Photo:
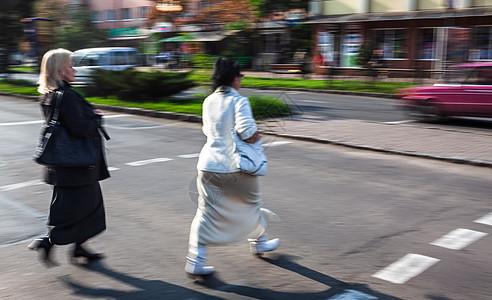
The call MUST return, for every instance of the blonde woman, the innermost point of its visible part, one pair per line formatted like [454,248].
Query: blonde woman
[76,211]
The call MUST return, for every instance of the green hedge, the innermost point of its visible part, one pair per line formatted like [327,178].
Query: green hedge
[132,85]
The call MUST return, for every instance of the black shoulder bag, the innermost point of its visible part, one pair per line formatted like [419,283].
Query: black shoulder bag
[58,148]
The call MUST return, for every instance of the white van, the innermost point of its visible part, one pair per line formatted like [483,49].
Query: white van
[108,58]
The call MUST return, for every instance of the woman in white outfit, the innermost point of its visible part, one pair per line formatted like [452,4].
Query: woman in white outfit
[229,203]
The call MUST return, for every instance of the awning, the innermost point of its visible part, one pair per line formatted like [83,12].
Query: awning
[209,36]
[404,15]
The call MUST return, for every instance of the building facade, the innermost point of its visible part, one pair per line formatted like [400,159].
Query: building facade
[124,20]
[404,34]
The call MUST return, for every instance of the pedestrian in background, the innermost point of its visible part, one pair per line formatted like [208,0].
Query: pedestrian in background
[76,211]
[229,204]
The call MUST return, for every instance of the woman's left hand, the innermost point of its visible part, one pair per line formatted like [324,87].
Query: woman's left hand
[254,138]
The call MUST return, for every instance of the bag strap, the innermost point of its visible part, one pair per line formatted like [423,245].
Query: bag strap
[57,97]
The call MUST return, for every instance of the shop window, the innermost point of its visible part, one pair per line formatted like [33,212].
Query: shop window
[96,16]
[392,42]
[126,14]
[143,11]
[482,44]
[110,15]
[426,43]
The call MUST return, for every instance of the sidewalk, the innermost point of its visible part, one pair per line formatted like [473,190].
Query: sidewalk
[456,146]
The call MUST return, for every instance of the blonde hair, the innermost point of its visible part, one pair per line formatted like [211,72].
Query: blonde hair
[52,65]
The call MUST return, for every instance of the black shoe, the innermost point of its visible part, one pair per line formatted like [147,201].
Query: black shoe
[44,246]
[79,251]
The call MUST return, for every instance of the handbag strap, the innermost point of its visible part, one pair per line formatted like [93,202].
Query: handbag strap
[58,99]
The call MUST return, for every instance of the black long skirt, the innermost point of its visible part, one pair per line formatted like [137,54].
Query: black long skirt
[76,214]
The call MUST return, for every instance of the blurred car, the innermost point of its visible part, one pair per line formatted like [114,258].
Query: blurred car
[162,58]
[466,91]
[109,58]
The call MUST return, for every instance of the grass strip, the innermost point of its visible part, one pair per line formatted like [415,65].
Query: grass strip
[343,85]
[262,106]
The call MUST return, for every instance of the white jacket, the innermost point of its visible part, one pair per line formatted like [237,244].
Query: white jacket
[224,112]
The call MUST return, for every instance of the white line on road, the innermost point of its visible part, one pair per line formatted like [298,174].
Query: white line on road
[148,161]
[20,185]
[487,220]
[115,116]
[312,101]
[399,122]
[273,144]
[22,123]
[189,155]
[406,268]
[459,239]
[42,121]
[113,169]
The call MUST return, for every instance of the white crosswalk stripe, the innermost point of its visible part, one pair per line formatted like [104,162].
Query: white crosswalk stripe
[459,239]
[406,268]
[148,161]
[487,220]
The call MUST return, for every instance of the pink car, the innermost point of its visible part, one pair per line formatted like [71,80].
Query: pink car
[467,91]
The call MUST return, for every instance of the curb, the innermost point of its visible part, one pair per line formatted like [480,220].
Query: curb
[198,119]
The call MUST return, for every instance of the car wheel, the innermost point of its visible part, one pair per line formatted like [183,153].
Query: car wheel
[431,114]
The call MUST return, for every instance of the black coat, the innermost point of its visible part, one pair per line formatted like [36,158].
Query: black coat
[78,117]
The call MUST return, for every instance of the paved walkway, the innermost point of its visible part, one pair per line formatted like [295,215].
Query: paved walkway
[458,146]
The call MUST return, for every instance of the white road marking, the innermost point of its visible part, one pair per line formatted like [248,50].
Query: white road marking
[273,144]
[16,186]
[22,123]
[189,155]
[42,121]
[459,239]
[487,220]
[399,122]
[406,268]
[312,101]
[114,116]
[352,295]
[148,161]
[113,169]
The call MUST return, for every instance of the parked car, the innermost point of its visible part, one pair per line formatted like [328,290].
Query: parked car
[466,91]
[108,58]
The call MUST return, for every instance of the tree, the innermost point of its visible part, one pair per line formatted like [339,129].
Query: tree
[79,32]
[265,7]
[227,11]
[11,14]
[74,27]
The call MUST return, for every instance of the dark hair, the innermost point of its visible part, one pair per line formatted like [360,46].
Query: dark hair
[224,72]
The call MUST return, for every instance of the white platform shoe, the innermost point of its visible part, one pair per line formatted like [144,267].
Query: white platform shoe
[263,244]
[195,262]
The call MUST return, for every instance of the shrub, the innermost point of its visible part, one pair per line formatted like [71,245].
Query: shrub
[132,85]
[203,60]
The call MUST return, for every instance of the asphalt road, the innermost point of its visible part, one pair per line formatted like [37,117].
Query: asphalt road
[345,216]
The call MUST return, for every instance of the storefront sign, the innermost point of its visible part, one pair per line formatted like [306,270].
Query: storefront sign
[124,32]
